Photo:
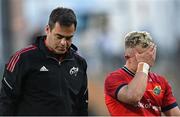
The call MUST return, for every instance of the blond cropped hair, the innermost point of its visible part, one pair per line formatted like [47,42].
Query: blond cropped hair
[135,38]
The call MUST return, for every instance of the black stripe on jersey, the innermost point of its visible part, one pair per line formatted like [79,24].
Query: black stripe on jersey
[117,90]
[169,107]
[128,71]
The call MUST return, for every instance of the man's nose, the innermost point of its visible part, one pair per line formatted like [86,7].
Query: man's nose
[63,41]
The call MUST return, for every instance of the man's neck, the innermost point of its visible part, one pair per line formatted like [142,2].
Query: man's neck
[131,67]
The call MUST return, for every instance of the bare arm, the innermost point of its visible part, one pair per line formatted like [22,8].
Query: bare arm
[173,112]
[134,91]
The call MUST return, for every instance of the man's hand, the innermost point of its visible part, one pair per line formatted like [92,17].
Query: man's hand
[148,56]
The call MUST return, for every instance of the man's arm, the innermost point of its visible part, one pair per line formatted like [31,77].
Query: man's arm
[10,87]
[6,104]
[134,91]
[169,104]
[83,99]
[7,97]
[83,104]
[173,112]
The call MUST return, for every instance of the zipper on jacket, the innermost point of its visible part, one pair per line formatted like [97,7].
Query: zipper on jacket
[59,62]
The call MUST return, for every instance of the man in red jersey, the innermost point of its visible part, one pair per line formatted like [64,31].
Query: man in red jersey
[135,91]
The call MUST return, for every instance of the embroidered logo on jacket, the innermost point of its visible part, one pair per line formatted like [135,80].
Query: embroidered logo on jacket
[43,68]
[74,71]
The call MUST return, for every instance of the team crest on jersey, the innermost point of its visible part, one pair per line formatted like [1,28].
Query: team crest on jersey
[74,71]
[157,90]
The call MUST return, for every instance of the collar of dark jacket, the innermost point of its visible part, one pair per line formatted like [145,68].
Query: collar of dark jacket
[67,56]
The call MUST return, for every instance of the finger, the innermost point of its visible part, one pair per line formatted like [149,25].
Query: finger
[136,53]
[151,47]
[154,53]
[155,49]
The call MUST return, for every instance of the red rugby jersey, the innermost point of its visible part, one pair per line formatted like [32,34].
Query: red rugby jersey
[157,98]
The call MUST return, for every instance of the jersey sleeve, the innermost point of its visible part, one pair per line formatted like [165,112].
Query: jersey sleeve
[169,101]
[113,83]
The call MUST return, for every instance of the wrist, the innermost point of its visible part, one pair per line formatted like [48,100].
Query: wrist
[143,67]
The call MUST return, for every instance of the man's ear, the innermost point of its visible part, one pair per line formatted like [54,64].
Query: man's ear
[47,29]
[126,56]
[128,53]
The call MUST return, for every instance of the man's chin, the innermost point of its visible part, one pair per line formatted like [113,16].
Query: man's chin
[60,52]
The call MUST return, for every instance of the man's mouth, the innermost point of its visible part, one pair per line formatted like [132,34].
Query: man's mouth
[61,49]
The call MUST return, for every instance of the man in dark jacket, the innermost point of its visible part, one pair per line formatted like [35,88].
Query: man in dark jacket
[47,77]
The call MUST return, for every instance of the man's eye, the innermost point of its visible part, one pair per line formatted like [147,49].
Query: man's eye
[68,38]
[59,37]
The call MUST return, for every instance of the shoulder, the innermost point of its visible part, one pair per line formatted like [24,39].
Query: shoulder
[114,75]
[79,58]
[27,53]
[114,81]
[24,51]
[17,56]
[74,51]
[156,76]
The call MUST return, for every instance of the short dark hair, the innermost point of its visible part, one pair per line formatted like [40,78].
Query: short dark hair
[64,16]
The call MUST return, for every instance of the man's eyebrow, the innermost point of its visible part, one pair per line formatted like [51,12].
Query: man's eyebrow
[64,36]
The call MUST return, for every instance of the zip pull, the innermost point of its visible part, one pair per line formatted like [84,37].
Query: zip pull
[59,62]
